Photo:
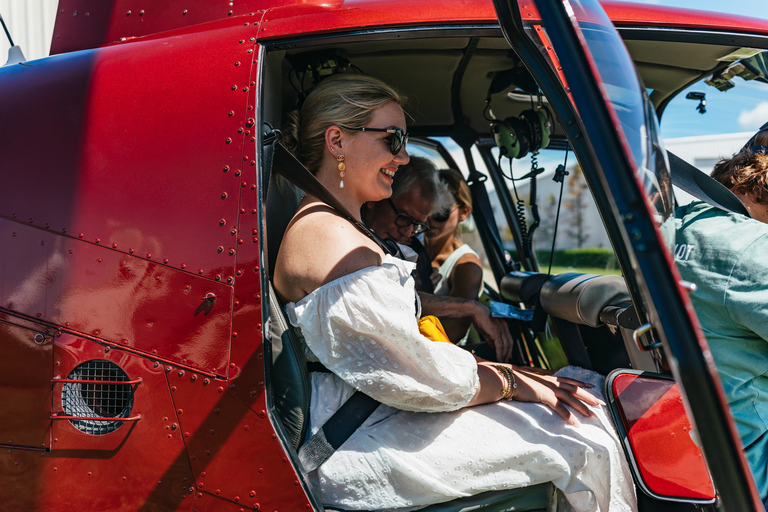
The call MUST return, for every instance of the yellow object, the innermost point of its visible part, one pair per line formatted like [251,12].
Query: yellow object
[431,328]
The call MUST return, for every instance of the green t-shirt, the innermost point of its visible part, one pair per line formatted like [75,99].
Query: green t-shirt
[726,256]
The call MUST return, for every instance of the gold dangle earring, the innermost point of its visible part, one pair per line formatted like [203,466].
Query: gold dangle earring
[341,166]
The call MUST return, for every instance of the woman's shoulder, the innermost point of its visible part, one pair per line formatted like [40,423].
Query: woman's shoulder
[463,254]
[318,247]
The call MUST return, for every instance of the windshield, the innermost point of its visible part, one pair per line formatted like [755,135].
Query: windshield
[632,113]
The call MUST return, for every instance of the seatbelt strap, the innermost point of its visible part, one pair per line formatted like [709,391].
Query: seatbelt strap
[285,163]
[334,432]
[353,413]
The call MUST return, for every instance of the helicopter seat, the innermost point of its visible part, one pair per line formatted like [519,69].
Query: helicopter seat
[291,393]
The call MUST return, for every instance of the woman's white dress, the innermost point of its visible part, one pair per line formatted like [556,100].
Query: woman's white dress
[421,447]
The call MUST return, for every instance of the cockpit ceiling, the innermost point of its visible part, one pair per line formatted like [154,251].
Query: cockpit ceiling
[423,69]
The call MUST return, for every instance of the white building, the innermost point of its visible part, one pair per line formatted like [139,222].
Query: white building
[30,23]
[701,151]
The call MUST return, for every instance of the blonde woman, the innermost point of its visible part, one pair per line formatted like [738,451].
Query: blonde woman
[448,426]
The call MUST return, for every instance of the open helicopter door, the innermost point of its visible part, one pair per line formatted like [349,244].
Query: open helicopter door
[585,71]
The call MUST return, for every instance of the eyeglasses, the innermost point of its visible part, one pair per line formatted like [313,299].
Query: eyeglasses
[405,221]
[443,215]
[397,140]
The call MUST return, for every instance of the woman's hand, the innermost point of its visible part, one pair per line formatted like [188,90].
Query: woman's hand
[538,385]
[435,277]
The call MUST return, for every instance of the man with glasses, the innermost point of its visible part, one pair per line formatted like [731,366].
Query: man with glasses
[417,193]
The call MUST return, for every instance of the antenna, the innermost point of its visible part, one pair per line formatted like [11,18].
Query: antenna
[15,55]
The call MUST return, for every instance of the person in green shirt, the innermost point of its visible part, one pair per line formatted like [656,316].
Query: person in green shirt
[726,255]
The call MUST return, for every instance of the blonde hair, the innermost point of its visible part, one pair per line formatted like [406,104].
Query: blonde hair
[460,190]
[346,100]
[747,171]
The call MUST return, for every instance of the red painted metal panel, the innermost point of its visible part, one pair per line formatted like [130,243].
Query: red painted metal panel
[122,168]
[117,297]
[358,14]
[84,24]
[233,450]
[140,466]
[660,433]
[25,389]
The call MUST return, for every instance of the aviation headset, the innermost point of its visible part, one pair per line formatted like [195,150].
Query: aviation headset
[529,132]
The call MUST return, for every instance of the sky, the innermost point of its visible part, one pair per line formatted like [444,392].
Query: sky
[742,109]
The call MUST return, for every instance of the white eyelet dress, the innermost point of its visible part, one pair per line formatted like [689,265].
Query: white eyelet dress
[422,446]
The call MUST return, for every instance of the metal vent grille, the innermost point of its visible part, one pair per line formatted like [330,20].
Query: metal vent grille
[105,397]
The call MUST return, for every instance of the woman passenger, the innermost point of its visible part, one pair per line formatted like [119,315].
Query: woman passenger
[449,426]
[459,267]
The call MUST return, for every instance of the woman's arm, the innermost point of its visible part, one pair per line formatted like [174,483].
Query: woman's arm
[464,282]
[494,330]
[534,386]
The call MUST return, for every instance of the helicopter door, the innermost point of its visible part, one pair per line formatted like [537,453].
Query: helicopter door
[583,68]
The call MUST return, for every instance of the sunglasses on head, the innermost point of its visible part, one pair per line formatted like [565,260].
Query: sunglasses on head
[443,215]
[397,139]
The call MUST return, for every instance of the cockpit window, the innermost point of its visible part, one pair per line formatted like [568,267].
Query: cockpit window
[626,95]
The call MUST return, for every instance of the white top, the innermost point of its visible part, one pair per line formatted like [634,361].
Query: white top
[446,268]
[422,447]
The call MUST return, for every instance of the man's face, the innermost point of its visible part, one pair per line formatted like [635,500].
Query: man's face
[383,218]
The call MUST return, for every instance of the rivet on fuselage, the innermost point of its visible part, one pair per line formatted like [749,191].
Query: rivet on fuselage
[223,195]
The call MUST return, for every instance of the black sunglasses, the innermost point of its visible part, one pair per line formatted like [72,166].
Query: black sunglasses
[443,215]
[405,221]
[397,139]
